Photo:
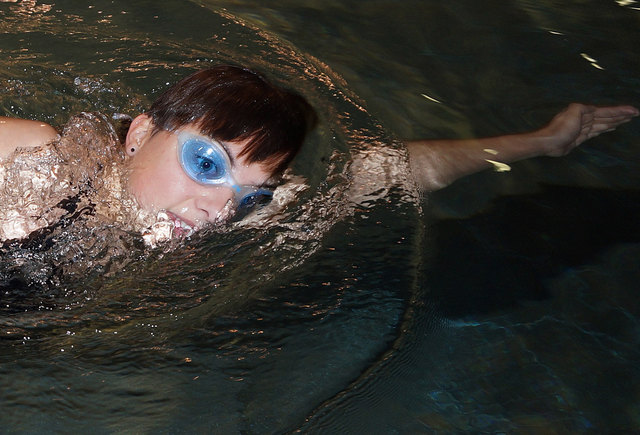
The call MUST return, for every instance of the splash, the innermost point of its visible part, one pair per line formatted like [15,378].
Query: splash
[65,205]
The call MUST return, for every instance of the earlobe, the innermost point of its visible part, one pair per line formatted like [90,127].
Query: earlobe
[132,149]
[138,133]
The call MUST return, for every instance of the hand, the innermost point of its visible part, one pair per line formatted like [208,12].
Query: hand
[580,122]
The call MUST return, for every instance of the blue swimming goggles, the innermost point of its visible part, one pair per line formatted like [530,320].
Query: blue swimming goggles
[206,162]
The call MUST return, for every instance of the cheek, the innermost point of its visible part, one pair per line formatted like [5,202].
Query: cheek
[158,185]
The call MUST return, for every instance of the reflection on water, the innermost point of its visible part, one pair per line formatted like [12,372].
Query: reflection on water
[474,318]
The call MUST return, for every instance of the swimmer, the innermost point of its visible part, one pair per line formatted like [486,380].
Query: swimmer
[218,141]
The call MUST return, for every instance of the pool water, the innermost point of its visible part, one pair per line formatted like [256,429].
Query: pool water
[503,303]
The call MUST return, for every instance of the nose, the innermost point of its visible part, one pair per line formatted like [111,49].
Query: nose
[216,204]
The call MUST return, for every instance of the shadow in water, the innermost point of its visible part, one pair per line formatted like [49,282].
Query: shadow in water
[504,254]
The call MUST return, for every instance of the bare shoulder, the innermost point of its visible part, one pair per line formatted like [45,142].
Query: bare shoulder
[15,133]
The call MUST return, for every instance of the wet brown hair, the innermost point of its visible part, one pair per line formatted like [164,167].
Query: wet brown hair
[230,103]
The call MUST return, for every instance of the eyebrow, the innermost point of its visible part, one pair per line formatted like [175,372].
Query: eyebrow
[271,185]
[226,149]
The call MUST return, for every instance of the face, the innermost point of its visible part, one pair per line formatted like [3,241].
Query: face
[158,181]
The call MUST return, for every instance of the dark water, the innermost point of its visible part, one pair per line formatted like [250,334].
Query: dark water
[509,305]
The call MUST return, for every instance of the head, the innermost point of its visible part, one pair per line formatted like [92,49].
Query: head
[258,125]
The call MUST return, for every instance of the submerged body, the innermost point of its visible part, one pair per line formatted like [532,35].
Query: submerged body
[80,172]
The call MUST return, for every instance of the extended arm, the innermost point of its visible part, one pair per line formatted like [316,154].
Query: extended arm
[16,133]
[438,163]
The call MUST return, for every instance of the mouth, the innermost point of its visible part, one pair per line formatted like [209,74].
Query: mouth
[181,226]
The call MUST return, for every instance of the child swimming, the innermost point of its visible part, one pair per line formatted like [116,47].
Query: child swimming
[214,145]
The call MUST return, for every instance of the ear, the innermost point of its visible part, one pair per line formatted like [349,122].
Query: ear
[139,131]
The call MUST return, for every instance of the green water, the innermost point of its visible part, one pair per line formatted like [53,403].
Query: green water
[508,305]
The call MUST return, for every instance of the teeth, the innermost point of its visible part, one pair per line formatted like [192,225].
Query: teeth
[166,227]
[188,230]
[179,223]
[163,216]
[167,218]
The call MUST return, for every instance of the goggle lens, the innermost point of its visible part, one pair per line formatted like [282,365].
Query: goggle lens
[206,162]
[203,162]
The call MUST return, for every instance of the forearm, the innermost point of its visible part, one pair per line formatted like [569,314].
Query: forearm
[438,163]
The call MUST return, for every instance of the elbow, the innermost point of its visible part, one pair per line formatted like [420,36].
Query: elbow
[22,133]
[425,168]
[43,133]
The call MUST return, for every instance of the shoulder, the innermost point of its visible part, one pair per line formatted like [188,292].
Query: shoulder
[23,133]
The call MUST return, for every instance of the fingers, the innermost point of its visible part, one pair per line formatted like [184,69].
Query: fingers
[607,118]
[602,119]
[610,123]
[604,112]
[613,119]
[597,120]
[613,112]
[580,122]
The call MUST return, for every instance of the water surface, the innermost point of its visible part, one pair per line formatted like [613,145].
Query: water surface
[508,305]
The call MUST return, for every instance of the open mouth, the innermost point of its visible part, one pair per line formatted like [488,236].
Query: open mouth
[181,227]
